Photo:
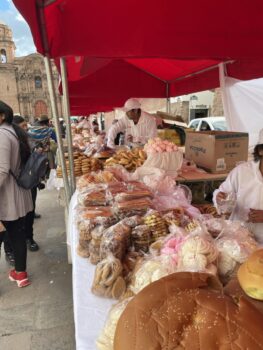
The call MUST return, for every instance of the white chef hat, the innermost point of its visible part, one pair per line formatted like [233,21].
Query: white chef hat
[132,103]
[260,137]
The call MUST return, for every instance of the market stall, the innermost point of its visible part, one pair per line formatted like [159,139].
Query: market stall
[162,232]
[85,303]
[141,233]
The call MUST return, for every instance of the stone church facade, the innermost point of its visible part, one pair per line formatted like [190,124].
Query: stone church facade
[23,80]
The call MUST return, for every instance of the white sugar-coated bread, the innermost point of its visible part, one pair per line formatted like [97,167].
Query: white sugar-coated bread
[106,338]
[250,275]
[188,311]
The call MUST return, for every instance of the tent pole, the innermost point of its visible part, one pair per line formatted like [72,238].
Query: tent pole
[54,108]
[168,101]
[66,111]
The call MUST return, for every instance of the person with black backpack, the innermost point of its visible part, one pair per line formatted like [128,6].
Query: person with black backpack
[15,201]
[31,243]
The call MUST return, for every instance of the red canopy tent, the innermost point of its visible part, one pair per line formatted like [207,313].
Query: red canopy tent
[147,32]
[168,43]
[96,83]
[135,28]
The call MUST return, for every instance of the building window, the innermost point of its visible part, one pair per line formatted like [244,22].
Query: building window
[3,56]
[38,82]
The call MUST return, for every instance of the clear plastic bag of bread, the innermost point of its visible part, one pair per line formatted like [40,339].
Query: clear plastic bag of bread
[198,253]
[132,194]
[149,270]
[114,188]
[90,149]
[130,261]
[171,244]
[115,240]
[133,207]
[83,248]
[96,214]
[133,221]
[119,172]
[93,195]
[235,245]
[106,338]
[226,206]
[160,183]
[85,227]
[88,218]
[179,197]
[104,177]
[94,251]
[215,226]
[108,278]
[106,220]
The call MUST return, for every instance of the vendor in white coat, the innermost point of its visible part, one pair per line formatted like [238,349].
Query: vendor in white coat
[246,181]
[137,126]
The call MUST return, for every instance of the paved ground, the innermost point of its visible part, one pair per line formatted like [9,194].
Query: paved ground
[40,317]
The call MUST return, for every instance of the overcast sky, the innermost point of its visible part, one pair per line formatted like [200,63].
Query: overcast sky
[21,32]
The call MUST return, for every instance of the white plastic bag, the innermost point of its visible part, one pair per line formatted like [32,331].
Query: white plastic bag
[170,162]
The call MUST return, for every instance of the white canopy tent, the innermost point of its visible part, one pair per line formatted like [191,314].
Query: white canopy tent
[243,105]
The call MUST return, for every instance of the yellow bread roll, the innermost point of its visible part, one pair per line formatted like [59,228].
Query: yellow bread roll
[250,275]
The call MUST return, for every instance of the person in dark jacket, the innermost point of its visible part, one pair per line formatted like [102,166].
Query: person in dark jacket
[31,243]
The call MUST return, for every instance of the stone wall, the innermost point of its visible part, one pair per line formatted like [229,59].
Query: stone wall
[8,87]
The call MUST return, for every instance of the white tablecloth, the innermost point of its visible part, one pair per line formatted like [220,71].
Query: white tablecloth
[90,312]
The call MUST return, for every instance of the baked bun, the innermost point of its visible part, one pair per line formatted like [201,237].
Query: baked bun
[188,311]
[234,290]
[250,275]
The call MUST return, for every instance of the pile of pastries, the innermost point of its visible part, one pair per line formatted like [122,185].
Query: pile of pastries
[82,165]
[129,159]
[120,230]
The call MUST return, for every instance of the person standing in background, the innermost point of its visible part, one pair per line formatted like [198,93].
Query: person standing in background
[137,125]
[31,243]
[15,202]
[41,133]
[245,181]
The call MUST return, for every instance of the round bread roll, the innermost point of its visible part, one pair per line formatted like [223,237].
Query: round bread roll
[234,290]
[250,275]
[188,311]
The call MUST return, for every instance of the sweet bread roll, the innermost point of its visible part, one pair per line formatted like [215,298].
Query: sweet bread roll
[250,275]
[234,290]
[188,311]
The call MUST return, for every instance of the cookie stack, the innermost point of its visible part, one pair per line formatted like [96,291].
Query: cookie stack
[77,167]
[142,238]
[157,224]
[59,172]
[94,250]
[82,165]
[90,164]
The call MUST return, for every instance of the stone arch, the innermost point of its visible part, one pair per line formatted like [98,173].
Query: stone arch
[3,56]
[40,108]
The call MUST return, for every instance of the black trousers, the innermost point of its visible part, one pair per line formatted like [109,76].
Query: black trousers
[4,239]
[29,222]
[31,216]
[17,237]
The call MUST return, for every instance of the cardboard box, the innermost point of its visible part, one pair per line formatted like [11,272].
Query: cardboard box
[216,151]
